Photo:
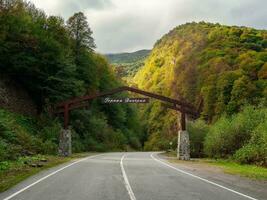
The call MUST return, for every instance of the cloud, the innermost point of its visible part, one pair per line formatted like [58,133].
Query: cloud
[66,8]
[128,25]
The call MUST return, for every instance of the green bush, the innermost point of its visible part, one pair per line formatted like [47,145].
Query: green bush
[156,143]
[49,128]
[134,142]
[256,150]
[49,148]
[77,144]
[197,132]
[241,136]
[217,141]
[117,140]
[23,136]
[3,150]
[4,165]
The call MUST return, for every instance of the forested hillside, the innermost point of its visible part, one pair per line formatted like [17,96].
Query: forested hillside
[127,64]
[226,67]
[55,60]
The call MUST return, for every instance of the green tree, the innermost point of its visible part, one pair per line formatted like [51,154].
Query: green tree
[80,32]
[242,93]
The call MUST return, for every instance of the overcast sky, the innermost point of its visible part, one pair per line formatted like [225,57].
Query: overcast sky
[129,25]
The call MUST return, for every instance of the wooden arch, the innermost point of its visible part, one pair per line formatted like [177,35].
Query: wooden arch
[179,105]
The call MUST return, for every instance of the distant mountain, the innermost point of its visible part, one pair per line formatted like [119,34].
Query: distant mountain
[127,64]
[121,58]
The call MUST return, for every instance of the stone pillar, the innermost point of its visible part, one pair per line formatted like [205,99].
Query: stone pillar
[65,142]
[183,148]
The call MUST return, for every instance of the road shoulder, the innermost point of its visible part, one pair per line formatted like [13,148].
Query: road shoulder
[17,178]
[217,174]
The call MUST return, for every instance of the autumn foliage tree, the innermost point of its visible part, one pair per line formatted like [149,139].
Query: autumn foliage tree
[225,66]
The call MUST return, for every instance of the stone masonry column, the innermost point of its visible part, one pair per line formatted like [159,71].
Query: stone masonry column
[183,148]
[65,142]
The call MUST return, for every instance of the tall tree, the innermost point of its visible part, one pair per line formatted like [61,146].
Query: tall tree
[80,32]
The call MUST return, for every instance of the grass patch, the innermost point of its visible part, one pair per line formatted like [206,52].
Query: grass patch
[13,172]
[228,166]
[170,154]
[249,171]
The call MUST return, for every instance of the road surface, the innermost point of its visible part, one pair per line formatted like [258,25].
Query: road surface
[123,176]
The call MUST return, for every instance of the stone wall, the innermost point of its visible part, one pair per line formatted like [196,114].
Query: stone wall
[14,98]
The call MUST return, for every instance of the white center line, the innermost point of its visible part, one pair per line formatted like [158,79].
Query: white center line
[205,180]
[126,181]
[53,173]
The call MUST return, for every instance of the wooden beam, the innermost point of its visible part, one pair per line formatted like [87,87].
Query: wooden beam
[130,89]
[160,97]
[66,116]
[179,105]
[200,105]
[72,107]
[90,97]
[180,109]
[183,121]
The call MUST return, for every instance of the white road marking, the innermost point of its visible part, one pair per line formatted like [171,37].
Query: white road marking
[53,173]
[128,159]
[126,181]
[205,180]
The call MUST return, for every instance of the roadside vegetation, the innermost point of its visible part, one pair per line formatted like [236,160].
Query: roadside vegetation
[231,167]
[240,138]
[25,136]
[27,146]
[228,166]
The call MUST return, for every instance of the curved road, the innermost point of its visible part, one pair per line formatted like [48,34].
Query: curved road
[122,176]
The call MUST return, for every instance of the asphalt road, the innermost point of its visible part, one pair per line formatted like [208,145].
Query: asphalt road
[122,176]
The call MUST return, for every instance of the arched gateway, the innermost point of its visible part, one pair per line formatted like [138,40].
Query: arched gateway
[185,108]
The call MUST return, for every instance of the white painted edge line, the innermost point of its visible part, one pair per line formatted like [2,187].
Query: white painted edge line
[126,181]
[197,177]
[53,173]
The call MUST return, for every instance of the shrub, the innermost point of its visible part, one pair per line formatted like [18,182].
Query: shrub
[134,142]
[3,150]
[49,147]
[156,142]
[217,141]
[256,150]
[23,136]
[197,132]
[229,134]
[116,140]
[4,165]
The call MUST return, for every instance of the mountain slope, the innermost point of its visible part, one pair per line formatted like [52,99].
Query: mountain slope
[127,64]
[223,65]
[195,58]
